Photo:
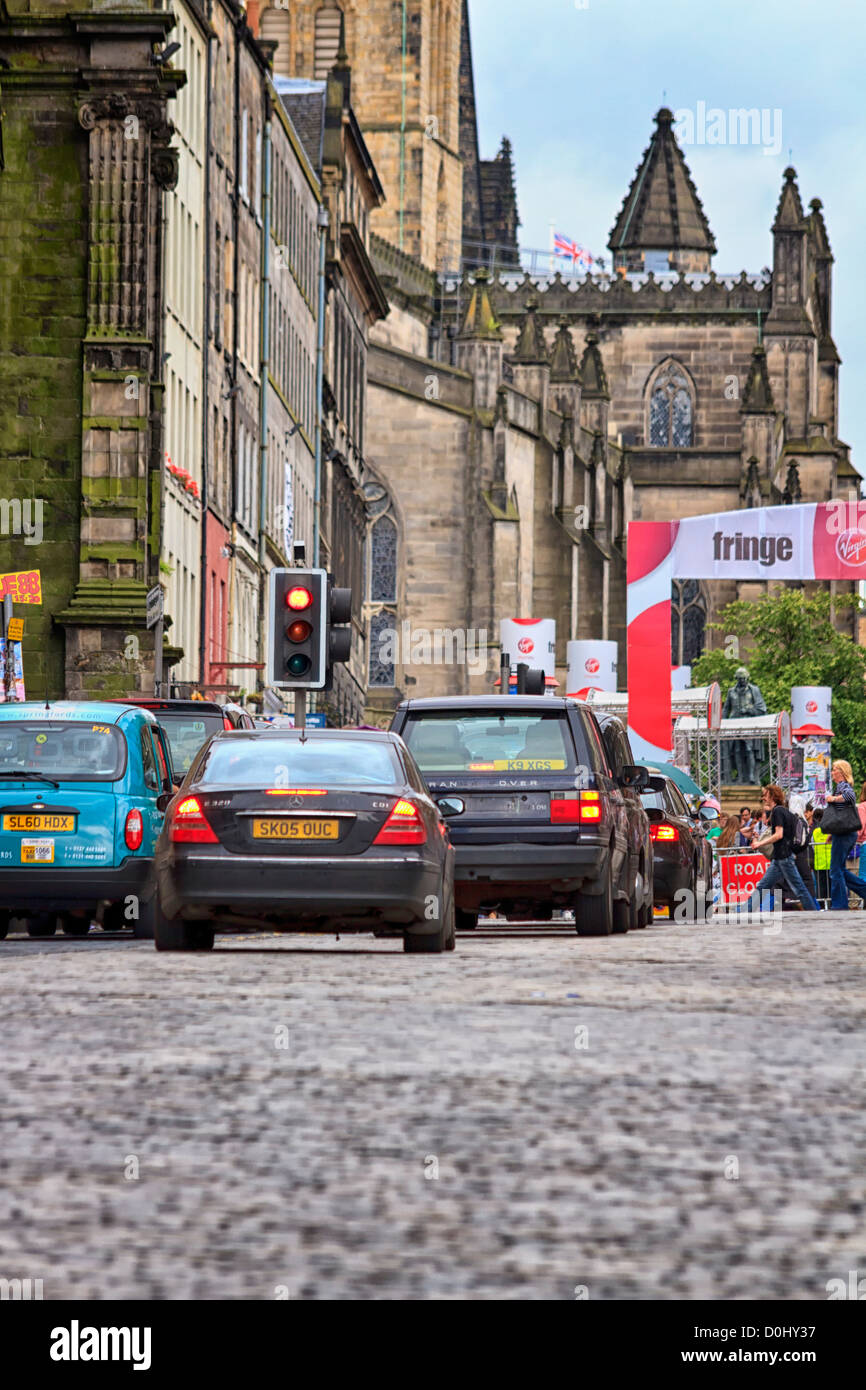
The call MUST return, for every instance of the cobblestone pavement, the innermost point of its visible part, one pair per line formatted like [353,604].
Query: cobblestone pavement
[676,1113]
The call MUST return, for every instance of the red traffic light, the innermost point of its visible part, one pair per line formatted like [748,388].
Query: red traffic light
[298,598]
[299,630]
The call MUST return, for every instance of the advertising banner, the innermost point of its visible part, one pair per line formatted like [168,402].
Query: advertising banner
[530,640]
[810,708]
[11,676]
[591,664]
[23,586]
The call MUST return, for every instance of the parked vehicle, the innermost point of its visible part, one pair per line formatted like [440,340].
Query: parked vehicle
[83,787]
[315,830]
[536,811]
[682,854]
[619,755]
[190,723]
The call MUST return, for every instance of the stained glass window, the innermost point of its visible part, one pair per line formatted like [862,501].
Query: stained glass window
[383,561]
[670,410]
[688,621]
[381,664]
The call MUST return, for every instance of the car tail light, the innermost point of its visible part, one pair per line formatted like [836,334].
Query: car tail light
[664,832]
[404,826]
[227,723]
[190,826]
[295,791]
[575,808]
[133,831]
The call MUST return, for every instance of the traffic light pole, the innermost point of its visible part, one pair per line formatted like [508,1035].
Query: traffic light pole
[300,709]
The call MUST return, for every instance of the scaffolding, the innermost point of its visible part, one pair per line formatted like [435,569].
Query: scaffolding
[698,750]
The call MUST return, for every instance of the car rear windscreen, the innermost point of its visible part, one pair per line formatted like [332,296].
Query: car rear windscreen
[70,751]
[653,801]
[514,741]
[317,762]
[186,733]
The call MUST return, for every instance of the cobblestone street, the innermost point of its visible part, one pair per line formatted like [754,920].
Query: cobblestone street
[673,1114]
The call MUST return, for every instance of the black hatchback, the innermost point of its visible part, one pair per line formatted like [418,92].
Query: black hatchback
[536,811]
[313,830]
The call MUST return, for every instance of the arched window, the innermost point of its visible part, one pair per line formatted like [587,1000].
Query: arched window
[688,621]
[381,662]
[383,561]
[327,39]
[380,584]
[671,409]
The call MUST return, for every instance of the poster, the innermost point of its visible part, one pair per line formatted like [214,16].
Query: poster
[16,672]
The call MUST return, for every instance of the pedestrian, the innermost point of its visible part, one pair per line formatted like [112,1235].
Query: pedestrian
[803,855]
[820,857]
[783,867]
[730,837]
[841,820]
[861,838]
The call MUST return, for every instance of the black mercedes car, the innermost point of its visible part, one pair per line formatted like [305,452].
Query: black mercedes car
[536,810]
[682,855]
[313,830]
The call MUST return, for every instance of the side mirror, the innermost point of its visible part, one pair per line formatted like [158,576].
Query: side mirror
[162,801]
[635,778]
[708,813]
[451,806]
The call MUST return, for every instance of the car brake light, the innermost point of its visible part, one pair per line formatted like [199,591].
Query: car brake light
[227,723]
[133,831]
[190,826]
[664,832]
[295,791]
[575,808]
[404,826]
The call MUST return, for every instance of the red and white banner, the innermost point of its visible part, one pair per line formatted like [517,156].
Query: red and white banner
[819,540]
[530,640]
[740,875]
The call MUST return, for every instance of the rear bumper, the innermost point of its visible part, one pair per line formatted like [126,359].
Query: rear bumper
[35,888]
[521,870]
[358,891]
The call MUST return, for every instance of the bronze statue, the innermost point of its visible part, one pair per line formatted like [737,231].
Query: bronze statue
[744,701]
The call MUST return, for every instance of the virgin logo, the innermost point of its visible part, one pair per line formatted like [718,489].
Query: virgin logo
[592,664]
[812,706]
[526,645]
[851,547]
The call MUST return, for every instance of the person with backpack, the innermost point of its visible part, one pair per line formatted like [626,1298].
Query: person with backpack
[841,821]
[802,849]
[783,867]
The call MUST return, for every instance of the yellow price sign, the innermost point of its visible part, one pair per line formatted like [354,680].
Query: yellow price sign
[15,630]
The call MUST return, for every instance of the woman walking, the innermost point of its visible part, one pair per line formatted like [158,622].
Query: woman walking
[841,820]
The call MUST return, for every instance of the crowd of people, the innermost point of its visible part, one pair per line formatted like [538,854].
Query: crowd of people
[811,861]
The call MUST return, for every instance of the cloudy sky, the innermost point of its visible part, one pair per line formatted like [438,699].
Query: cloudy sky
[575,85]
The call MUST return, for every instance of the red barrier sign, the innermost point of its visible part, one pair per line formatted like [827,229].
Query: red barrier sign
[741,874]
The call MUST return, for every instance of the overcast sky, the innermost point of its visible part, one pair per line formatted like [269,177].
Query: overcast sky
[575,85]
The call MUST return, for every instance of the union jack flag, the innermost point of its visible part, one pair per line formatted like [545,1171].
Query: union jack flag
[564,246]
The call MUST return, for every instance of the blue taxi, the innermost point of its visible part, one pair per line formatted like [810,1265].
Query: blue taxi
[83,790]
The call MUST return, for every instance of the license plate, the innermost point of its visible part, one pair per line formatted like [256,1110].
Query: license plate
[295,828]
[37,851]
[42,821]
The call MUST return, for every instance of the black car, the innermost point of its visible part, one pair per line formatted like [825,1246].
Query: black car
[536,811]
[189,724]
[304,830]
[682,854]
[619,755]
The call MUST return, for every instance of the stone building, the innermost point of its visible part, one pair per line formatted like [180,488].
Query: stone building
[86,159]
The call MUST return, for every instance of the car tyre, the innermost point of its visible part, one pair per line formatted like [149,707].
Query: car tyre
[43,924]
[465,921]
[5,921]
[75,926]
[175,934]
[593,916]
[621,916]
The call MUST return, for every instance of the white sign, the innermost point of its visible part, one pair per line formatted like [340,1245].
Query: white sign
[591,664]
[154,606]
[530,640]
[810,707]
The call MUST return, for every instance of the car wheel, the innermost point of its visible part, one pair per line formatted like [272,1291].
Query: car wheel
[621,916]
[465,921]
[5,919]
[450,925]
[178,935]
[636,916]
[75,926]
[44,924]
[593,916]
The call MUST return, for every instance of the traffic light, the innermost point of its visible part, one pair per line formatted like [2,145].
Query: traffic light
[302,606]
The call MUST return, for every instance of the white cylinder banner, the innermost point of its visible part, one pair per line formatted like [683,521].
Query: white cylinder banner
[810,707]
[591,664]
[530,640]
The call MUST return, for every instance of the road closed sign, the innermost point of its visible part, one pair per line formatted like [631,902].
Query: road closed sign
[740,875]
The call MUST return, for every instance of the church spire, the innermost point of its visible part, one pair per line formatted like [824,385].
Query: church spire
[480,320]
[592,372]
[757,393]
[531,348]
[563,358]
[662,213]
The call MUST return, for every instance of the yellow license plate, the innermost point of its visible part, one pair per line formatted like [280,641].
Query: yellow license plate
[295,828]
[37,851]
[40,822]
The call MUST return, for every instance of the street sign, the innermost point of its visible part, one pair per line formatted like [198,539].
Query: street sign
[740,875]
[154,604]
[15,629]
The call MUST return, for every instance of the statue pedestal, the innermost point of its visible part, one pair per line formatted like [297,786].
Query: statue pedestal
[733,795]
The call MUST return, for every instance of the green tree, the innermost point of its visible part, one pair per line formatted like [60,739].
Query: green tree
[789,639]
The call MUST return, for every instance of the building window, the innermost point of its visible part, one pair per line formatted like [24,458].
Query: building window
[327,39]
[383,561]
[381,666]
[245,155]
[671,409]
[688,621]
